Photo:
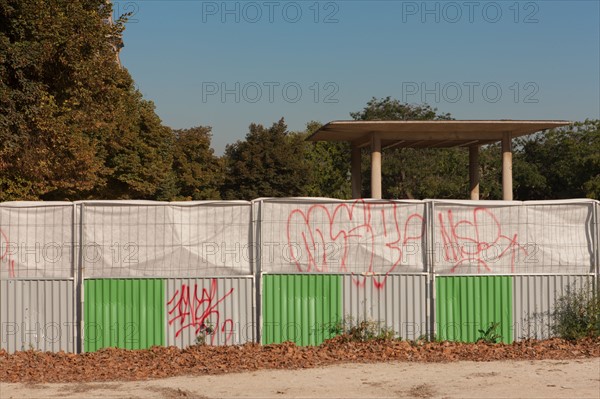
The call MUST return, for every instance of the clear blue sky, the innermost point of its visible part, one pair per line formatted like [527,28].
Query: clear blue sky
[228,64]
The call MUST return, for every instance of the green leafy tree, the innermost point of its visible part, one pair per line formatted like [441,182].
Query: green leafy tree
[490,171]
[329,166]
[563,163]
[270,162]
[199,173]
[139,155]
[43,89]
[389,109]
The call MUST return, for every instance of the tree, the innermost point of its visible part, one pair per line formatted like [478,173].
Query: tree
[72,125]
[563,163]
[490,171]
[138,155]
[270,162]
[199,172]
[388,109]
[329,166]
[42,149]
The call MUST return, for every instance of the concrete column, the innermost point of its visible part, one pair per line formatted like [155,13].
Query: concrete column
[474,171]
[356,172]
[375,166]
[507,183]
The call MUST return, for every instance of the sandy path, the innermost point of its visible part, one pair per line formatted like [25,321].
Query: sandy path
[506,379]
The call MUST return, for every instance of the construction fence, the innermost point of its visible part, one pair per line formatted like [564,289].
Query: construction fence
[132,274]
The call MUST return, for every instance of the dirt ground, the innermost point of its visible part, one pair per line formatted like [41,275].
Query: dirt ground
[576,378]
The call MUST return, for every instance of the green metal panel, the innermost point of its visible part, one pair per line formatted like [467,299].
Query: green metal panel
[465,305]
[300,307]
[124,313]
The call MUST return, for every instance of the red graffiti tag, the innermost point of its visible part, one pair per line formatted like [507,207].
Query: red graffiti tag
[192,310]
[313,230]
[4,254]
[466,241]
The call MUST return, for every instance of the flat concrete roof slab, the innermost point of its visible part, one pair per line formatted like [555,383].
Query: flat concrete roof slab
[430,134]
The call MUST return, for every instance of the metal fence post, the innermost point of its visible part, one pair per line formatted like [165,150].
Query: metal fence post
[256,211]
[596,235]
[79,283]
[75,276]
[431,256]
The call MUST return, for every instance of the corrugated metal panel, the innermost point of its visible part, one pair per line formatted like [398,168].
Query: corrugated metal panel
[534,299]
[37,314]
[300,307]
[400,304]
[225,305]
[124,313]
[465,305]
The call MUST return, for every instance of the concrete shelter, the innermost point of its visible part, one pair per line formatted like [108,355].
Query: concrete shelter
[380,135]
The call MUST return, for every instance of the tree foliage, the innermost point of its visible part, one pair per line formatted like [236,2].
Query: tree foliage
[72,124]
[329,164]
[389,109]
[563,163]
[199,173]
[270,162]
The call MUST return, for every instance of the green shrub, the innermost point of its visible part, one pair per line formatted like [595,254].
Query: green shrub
[490,334]
[577,313]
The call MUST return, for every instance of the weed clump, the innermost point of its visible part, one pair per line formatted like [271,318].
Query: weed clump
[490,335]
[362,331]
[206,329]
[576,314]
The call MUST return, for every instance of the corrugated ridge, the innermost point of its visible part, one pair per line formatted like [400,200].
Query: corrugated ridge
[230,314]
[464,305]
[300,308]
[400,304]
[37,314]
[535,298]
[124,313]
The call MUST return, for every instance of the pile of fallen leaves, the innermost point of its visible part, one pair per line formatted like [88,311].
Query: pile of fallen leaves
[158,362]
